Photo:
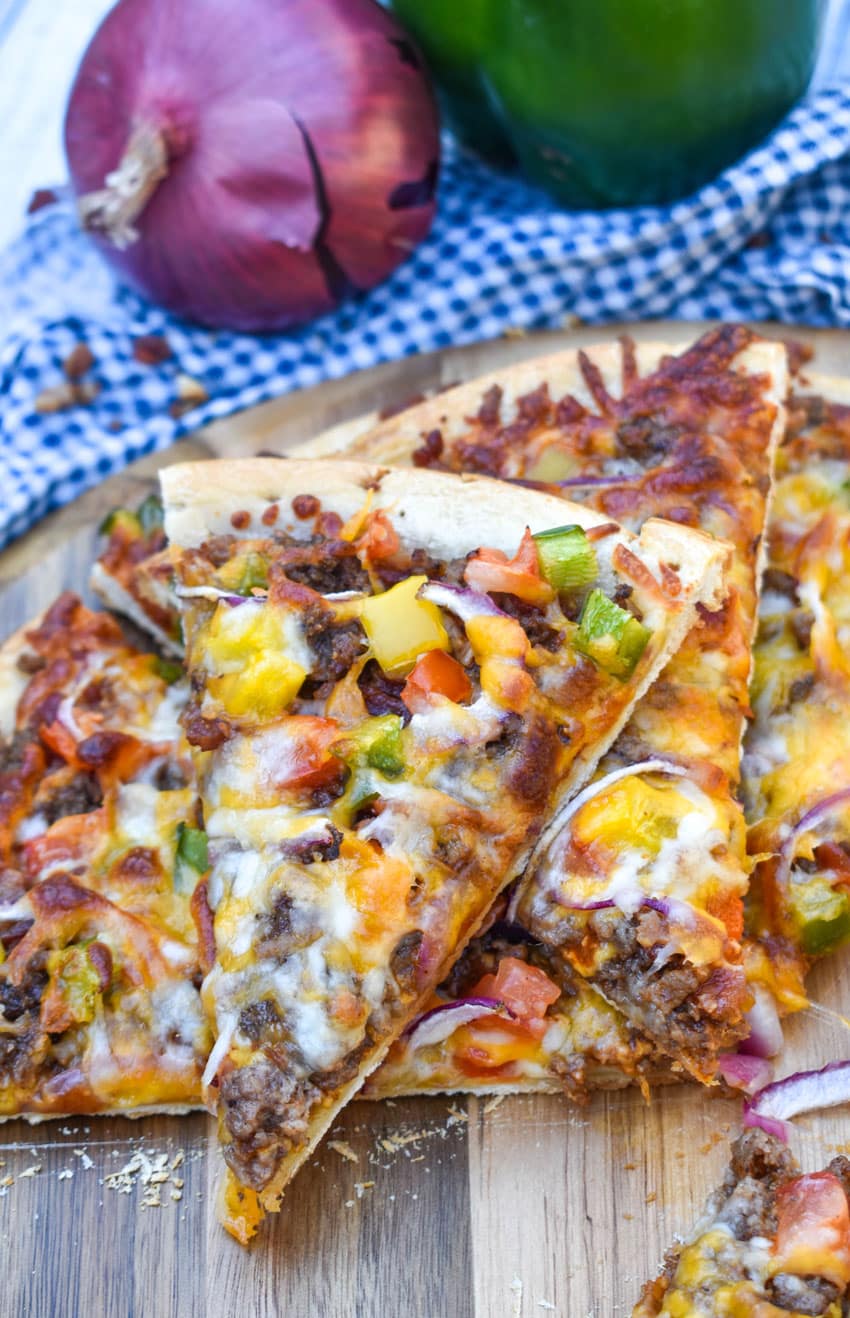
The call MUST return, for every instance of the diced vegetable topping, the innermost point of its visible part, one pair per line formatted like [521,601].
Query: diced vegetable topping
[120,519]
[168,669]
[566,556]
[436,674]
[150,513]
[247,646]
[73,991]
[377,743]
[192,847]
[254,574]
[490,570]
[821,913]
[401,627]
[610,636]
[525,990]
[813,1233]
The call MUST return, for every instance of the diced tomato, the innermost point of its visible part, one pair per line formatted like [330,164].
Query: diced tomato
[308,761]
[435,674]
[813,1236]
[831,856]
[728,907]
[491,570]
[379,540]
[525,990]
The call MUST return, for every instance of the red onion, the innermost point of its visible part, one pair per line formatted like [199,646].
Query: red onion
[805,825]
[765,1036]
[250,165]
[804,1091]
[460,600]
[437,1024]
[743,1072]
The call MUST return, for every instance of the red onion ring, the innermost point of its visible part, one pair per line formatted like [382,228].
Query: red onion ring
[440,1022]
[804,825]
[765,1037]
[803,1091]
[742,1071]
[460,600]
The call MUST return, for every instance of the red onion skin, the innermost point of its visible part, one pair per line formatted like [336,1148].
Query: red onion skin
[302,142]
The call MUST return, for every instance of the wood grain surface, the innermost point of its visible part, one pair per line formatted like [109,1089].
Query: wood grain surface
[451,1208]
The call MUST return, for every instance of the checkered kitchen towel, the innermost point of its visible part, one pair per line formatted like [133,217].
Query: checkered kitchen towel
[769,239]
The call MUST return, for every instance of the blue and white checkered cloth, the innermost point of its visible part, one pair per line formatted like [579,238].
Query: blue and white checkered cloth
[769,239]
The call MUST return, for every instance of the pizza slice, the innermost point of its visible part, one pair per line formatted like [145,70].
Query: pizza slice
[797,757]
[104,928]
[641,891]
[134,575]
[391,695]
[773,1243]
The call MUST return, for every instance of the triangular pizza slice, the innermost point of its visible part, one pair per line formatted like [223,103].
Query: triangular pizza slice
[641,890]
[392,694]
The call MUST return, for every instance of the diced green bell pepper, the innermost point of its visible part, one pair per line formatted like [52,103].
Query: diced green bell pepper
[254,574]
[168,669]
[820,912]
[617,102]
[610,636]
[149,513]
[378,743]
[192,847]
[567,558]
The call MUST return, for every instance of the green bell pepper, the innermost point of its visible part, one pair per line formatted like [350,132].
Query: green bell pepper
[820,912]
[567,558]
[610,636]
[617,102]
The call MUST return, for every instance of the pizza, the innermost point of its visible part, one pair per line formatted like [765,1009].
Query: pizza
[104,928]
[133,575]
[797,758]
[641,891]
[397,679]
[773,1243]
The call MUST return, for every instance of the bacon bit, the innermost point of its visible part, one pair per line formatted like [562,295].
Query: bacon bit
[139,865]
[40,198]
[79,360]
[240,520]
[270,515]
[202,915]
[305,506]
[151,349]
[430,451]
[207,733]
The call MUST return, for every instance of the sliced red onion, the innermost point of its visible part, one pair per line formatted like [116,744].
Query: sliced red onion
[577,482]
[744,1072]
[803,1091]
[804,825]
[765,1036]
[437,1024]
[251,165]
[460,600]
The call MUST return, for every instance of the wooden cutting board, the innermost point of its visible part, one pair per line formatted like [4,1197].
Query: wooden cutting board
[426,1208]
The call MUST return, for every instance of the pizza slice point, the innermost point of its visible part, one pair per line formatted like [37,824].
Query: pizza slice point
[640,890]
[773,1243]
[393,691]
[796,768]
[103,921]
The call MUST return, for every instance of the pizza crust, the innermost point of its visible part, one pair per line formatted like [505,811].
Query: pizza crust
[119,600]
